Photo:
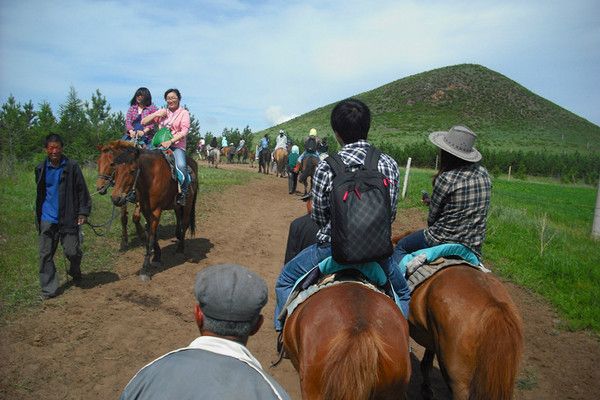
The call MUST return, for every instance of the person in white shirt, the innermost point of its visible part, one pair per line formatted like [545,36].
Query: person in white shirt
[216,365]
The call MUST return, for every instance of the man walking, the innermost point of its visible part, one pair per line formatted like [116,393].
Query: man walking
[63,204]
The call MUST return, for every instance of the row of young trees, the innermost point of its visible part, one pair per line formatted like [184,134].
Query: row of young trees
[82,124]
[568,167]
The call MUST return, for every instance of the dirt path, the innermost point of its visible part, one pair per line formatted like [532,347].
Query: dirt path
[90,341]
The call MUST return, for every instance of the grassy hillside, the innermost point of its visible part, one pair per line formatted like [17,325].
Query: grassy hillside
[505,115]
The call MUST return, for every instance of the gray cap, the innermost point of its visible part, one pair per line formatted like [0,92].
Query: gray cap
[229,292]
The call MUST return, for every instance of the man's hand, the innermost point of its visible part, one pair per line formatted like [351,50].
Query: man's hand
[81,219]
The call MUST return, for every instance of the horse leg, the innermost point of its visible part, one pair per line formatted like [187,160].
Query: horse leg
[124,235]
[136,218]
[426,366]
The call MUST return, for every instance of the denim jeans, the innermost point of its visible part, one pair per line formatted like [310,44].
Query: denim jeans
[312,256]
[181,165]
[304,261]
[413,242]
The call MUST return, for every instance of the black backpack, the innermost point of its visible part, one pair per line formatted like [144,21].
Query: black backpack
[361,214]
[311,144]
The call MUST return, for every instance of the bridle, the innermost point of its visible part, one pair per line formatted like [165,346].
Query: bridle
[131,195]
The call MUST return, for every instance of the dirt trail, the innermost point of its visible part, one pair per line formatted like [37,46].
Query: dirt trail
[90,341]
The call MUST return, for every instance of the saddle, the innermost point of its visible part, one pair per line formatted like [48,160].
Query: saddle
[329,273]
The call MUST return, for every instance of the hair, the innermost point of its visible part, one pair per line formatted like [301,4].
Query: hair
[351,120]
[448,162]
[143,92]
[176,91]
[230,328]
[53,137]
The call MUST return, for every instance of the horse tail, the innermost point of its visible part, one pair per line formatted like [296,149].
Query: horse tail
[498,354]
[354,356]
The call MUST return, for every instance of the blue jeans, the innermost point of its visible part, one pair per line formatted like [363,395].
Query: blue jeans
[181,165]
[413,242]
[313,255]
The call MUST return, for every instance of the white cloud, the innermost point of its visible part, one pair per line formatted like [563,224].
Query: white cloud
[276,116]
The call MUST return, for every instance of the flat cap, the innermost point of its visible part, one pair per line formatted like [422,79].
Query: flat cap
[230,292]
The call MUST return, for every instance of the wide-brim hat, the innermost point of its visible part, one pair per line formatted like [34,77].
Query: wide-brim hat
[457,141]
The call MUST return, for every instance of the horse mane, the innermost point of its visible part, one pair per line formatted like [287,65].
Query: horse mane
[120,144]
[498,354]
[353,357]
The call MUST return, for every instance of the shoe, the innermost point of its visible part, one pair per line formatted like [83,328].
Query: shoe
[47,296]
[77,279]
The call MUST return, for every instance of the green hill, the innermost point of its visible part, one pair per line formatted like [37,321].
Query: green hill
[505,115]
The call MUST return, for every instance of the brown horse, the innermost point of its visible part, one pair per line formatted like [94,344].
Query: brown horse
[146,175]
[242,154]
[348,341]
[309,165]
[280,156]
[105,180]
[467,319]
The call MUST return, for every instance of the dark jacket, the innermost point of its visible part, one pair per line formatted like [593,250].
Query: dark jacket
[303,233]
[73,195]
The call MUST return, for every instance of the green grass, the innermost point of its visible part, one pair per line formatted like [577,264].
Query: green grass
[19,286]
[567,272]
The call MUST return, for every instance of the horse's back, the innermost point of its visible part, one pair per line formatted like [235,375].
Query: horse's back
[344,325]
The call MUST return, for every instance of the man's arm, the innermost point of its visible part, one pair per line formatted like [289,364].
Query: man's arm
[83,195]
[322,180]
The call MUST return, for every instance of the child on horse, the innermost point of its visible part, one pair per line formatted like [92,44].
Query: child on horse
[311,144]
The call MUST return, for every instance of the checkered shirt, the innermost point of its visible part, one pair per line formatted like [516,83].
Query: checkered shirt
[352,154]
[459,207]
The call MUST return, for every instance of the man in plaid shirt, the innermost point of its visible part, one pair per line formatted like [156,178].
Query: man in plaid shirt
[350,121]
[460,201]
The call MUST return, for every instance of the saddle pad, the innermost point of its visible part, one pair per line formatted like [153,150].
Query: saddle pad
[305,294]
[418,271]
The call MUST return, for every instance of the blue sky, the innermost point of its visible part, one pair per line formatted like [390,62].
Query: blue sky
[258,63]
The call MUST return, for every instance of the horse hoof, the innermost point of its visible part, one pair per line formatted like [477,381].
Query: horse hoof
[155,263]
[144,277]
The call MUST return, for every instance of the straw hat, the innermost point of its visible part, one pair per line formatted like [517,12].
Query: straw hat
[457,141]
[313,132]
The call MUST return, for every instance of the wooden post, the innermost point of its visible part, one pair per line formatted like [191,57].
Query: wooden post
[405,185]
[596,224]
[509,170]
[436,162]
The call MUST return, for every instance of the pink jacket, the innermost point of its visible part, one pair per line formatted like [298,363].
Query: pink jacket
[179,123]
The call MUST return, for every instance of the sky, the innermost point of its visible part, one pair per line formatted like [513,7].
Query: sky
[260,63]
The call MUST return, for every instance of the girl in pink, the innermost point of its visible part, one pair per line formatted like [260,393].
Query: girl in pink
[177,119]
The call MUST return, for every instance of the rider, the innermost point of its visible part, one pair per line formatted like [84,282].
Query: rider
[322,147]
[350,120]
[311,144]
[281,140]
[213,143]
[292,173]
[264,144]
[460,201]
[141,106]
[223,141]
[240,145]
[177,119]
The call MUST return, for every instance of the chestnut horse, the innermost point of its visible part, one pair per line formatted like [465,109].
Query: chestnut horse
[147,176]
[105,180]
[281,159]
[468,320]
[348,341]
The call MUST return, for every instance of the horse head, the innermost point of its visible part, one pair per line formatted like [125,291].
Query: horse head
[126,171]
[105,164]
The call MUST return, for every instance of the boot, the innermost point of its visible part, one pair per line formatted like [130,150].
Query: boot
[180,200]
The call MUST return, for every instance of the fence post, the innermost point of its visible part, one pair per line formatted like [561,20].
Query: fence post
[405,185]
[509,171]
[596,224]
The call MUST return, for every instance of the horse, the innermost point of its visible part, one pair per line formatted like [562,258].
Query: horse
[242,154]
[468,320]
[105,180]
[264,159]
[348,341]
[309,164]
[214,157]
[281,159]
[147,176]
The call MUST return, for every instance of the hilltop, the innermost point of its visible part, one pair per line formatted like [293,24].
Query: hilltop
[505,115]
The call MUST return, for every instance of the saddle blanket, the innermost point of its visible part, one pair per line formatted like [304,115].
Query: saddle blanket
[418,266]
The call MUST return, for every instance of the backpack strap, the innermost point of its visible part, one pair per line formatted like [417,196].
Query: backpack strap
[372,158]
[336,163]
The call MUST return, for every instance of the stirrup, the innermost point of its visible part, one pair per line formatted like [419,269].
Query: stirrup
[280,350]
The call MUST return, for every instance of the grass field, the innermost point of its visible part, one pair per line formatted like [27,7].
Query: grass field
[19,286]
[565,272]
[561,261]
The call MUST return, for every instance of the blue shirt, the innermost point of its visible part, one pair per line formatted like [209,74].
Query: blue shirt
[50,205]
